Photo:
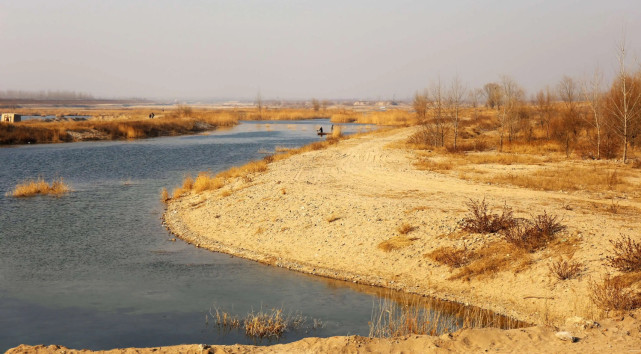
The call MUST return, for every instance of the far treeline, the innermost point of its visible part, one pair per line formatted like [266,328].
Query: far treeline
[582,116]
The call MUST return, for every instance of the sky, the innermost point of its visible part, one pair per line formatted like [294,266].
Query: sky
[288,49]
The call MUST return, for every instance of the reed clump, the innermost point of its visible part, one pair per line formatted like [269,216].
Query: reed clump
[272,323]
[411,315]
[39,186]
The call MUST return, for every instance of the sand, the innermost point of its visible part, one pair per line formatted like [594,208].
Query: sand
[325,213]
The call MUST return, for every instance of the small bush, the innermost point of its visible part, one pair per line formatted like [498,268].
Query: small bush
[614,294]
[535,234]
[564,270]
[450,256]
[547,225]
[481,220]
[627,255]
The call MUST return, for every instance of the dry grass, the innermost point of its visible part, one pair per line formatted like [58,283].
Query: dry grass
[626,255]
[337,132]
[565,269]
[493,258]
[396,243]
[596,179]
[333,217]
[164,195]
[39,186]
[262,324]
[613,294]
[451,256]
[533,235]
[405,229]
[434,165]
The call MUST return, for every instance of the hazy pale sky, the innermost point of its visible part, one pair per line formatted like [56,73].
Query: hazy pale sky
[303,49]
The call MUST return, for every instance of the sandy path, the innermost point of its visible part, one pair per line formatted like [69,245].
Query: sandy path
[282,218]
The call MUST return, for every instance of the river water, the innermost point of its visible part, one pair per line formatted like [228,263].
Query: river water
[96,269]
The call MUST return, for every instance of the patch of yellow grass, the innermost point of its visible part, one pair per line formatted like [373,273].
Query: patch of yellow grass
[396,242]
[568,178]
[32,188]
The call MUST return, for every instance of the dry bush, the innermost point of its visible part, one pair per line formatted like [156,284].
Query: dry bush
[405,229]
[39,186]
[565,269]
[450,256]
[547,225]
[613,294]
[535,234]
[493,258]
[627,255]
[396,242]
[480,220]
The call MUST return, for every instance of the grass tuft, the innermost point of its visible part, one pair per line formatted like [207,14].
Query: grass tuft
[396,242]
[450,256]
[39,186]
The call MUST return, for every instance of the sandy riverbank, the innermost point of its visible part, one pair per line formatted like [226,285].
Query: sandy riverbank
[325,213]
[611,336]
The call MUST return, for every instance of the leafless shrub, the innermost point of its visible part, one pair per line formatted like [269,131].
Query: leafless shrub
[481,220]
[614,294]
[547,225]
[627,255]
[564,269]
[535,234]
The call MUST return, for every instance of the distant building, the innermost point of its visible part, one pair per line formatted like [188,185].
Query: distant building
[10,117]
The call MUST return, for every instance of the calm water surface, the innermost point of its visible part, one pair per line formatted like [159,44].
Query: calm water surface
[96,269]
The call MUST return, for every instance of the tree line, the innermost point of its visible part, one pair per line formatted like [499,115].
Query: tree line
[604,121]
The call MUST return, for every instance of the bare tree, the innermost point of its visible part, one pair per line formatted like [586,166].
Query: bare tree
[439,120]
[455,97]
[493,95]
[475,97]
[624,101]
[315,105]
[511,98]
[259,104]
[567,129]
[421,104]
[592,91]
[545,108]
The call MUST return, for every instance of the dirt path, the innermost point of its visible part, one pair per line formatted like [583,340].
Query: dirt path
[325,212]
